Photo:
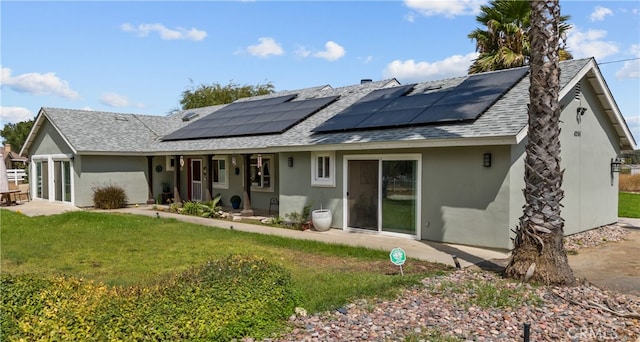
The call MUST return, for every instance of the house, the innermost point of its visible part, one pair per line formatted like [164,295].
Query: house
[439,160]
[12,159]
[14,163]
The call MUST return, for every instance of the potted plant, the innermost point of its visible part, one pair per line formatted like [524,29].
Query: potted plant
[235,201]
[166,188]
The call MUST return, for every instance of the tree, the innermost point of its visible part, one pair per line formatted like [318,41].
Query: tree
[214,94]
[505,43]
[16,134]
[539,253]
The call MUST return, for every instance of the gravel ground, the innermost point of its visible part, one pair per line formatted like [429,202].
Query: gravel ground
[440,309]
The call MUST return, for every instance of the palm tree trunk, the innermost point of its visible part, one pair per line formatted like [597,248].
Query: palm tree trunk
[539,253]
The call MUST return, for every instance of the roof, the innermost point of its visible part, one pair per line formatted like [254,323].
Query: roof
[505,122]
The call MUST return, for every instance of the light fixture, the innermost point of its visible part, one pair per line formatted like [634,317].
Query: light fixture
[581,110]
[233,160]
[486,160]
[290,161]
[615,165]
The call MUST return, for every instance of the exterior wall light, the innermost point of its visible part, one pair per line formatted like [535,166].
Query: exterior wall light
[290,161]
[615,165]
[486,160]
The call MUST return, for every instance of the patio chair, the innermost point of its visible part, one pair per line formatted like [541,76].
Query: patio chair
[25,192]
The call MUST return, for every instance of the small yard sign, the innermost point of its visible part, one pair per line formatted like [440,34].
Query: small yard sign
[398,257]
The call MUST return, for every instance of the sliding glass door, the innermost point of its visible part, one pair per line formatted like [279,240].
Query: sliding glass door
[382,193]
[399,196]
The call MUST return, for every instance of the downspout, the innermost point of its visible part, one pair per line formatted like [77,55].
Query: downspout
[150,199]
[246,208]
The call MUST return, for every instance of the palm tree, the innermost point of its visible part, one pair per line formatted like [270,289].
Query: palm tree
[539,253]
[505,43]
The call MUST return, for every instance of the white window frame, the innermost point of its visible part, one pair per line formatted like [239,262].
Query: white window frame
[267,159]
[322,180]
[224,183]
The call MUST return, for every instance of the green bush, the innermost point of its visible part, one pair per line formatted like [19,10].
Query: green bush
[190,208]
[212,208]
[224,300]
[109,197]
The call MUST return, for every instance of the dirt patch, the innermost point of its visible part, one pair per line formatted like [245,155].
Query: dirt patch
[357,265]
[614,265]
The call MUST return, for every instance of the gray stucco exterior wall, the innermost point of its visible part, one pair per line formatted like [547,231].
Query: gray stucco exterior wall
[588,143]
[462,200]
[128,172]
[296,190]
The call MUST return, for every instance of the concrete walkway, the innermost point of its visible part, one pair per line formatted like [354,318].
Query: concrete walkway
[423,250]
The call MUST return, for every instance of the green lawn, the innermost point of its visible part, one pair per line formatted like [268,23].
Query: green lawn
[136,256]
[629,205]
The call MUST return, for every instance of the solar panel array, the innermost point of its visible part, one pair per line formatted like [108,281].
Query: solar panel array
[267,116]
[391,107]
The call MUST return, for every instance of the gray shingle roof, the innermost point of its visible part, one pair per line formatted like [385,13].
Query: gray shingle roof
[89,131]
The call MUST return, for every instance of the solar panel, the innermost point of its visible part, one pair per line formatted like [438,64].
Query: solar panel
[391,108]
[267,116]
[471,98]
[358,112]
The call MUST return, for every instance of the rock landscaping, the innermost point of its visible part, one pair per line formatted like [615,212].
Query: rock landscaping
[471,305]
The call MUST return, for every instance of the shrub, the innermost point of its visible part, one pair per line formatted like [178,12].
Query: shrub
[190,208]
[109,197]
[223,300]
[212,208]
[300,218]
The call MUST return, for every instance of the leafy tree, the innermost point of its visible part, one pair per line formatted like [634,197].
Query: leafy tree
[632,157]
[539,253]
[214,94]
[504,43]
[16,134]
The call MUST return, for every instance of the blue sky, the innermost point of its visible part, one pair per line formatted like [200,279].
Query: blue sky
[139,56]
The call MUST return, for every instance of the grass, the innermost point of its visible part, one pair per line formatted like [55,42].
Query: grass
[125,250]
[499,294]
[398,215]
[629,204]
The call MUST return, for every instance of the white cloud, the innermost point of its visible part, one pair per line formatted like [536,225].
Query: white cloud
[411,71]
[14,115]
[410,17]
[37,84]
[631,68]
[267,47]
[366,60]
[332,51]
[115,100]
[447,8]
[599,13]
[302,52]
[165,33]
[590,44]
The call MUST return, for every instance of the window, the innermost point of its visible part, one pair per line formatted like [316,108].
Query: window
[323,169]
[171,163]
[219,175]
[261,173]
